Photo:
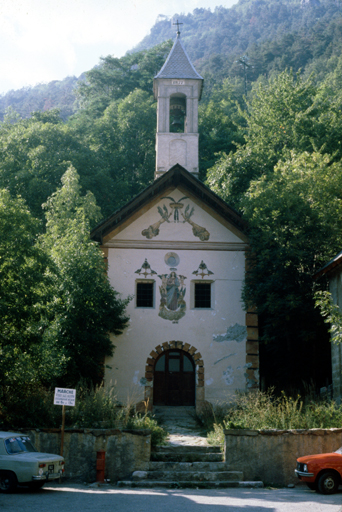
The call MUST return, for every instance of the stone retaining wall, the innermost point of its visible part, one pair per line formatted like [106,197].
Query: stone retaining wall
[271,456]
[126,451]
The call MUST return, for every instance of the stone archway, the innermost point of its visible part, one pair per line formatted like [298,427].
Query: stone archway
[197,359]
[174,381]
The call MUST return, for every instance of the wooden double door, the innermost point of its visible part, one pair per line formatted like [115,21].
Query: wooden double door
[174,379]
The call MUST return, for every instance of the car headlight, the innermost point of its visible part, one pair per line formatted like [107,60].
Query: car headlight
[305,468]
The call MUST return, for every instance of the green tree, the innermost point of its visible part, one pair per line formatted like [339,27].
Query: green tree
[285,113]
[331,313]
[36,152]
[219,124]
[294,216]
[115,79]
[24,359]
[82,308]
[123,139]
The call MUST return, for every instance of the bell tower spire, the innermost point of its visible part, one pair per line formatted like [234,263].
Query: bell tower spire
[177,88]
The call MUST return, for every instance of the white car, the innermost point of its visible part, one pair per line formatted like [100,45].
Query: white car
[22,464]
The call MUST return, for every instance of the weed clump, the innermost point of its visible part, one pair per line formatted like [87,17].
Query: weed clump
[266,411]
[96,407]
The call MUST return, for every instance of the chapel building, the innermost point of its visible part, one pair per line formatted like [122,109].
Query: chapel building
[179,250]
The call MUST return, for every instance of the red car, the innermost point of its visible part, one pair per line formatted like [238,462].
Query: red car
[322,472]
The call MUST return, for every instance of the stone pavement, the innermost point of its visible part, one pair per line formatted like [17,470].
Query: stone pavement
[82,498]
[182,425]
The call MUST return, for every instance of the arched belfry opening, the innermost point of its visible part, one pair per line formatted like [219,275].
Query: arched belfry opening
[174,376]
[177,113]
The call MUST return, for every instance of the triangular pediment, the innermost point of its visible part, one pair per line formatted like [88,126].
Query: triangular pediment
[176,210]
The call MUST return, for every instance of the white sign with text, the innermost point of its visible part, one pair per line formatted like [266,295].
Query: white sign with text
[64,396]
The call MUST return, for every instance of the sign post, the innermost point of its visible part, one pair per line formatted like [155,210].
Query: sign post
[63,397]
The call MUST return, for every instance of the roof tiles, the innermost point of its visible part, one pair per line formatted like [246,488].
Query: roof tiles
[178,64]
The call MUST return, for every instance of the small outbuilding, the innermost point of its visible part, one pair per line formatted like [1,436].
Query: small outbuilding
[333,272]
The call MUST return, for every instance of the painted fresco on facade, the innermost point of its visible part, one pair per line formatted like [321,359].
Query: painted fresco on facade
[203,270]
[176,212]
[145,270]
[172,293]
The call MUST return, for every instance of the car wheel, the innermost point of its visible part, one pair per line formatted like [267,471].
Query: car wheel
[8,481]
[36,485]
[328,483]
[311,485]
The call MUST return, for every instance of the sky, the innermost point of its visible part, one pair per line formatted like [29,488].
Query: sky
[45,40]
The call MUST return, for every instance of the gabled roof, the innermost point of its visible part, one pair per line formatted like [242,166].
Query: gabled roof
[176,176]
[178,64]
[330,266]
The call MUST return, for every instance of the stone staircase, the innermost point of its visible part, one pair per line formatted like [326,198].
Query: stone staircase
[186,461]
[177,467]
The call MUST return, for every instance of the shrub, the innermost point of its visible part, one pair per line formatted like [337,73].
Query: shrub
[158,433]
[32,408]
[265,411]
[96,407]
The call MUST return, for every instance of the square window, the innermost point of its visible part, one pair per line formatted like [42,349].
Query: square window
[202,295]
[144,295]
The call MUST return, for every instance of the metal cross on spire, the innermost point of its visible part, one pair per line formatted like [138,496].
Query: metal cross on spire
[177,23]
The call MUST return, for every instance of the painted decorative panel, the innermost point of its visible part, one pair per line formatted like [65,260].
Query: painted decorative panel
[175,214]
[172,293]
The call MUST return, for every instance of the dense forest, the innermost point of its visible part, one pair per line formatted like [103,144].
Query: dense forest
[74,151]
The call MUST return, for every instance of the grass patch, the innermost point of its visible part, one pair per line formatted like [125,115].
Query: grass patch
[266,411]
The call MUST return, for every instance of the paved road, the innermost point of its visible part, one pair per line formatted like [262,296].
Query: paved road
[82,498]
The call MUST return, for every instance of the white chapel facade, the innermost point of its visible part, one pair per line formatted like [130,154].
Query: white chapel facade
[179,250]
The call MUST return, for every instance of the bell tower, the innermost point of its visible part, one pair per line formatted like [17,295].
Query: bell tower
[177,88]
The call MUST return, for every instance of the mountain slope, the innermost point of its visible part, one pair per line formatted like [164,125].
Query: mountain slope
[276,34]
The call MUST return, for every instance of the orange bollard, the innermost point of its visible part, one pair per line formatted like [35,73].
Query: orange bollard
[100,465]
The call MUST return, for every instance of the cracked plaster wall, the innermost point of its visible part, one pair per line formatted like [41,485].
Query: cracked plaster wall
[230,364]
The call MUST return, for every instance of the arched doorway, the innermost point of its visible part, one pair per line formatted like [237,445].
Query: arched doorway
[174,378]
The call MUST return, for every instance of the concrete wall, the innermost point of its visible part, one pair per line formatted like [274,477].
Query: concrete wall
[271,456]
[126,451]
[335,286]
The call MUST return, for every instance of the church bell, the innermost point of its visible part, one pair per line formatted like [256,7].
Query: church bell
[177,113]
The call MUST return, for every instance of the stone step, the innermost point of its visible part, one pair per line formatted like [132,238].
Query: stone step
[187,456]
[187,448]
[151,484]
[189,466]
[183,454]
[188,476]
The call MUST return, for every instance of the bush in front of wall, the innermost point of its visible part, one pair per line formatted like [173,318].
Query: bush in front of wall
[266,411]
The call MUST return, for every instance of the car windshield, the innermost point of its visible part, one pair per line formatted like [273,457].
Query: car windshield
[339,451]
[19,445]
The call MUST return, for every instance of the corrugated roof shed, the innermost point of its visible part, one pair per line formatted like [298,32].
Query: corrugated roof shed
[331,265]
